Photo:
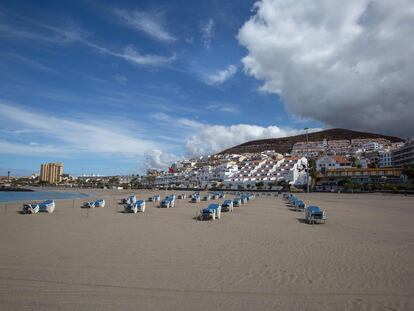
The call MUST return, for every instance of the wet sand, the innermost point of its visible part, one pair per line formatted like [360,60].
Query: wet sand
[260,257]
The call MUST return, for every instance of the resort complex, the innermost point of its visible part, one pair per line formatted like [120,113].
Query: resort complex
[322,164]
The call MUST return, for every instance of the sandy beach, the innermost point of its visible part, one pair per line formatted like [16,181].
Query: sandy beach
[260,257]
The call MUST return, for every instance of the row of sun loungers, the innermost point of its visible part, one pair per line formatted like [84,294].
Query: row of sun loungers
[47,206]
[92,204]
[213,211]
[133,205]
[313,214]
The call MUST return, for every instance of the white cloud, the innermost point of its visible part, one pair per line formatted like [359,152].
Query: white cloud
[50,34]
[220,76]
[345,63]
[174,122]
[151,23]
[13,148]
[158,159]
[120,78]
[131,55]
[215,138]
[29,61]
[69,136]
[207,32]
[223,107]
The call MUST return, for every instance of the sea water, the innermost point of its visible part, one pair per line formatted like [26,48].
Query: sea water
[11,196]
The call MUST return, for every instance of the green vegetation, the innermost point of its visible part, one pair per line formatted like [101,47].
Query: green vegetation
[260,185]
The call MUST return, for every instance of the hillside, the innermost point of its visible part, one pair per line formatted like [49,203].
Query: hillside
[285,144]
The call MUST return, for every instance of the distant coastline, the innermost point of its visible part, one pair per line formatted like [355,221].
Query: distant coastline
[16,189]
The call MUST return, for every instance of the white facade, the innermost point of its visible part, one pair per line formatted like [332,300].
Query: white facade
[385,158]
[372,146]
[268,171]
[332,162]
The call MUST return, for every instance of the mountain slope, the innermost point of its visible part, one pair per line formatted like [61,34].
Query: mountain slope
[285,144]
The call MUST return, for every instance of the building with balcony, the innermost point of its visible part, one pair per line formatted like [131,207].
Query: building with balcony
[404,155]
[51,173]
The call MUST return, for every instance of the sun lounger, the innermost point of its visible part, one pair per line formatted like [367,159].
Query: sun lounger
[195,198]
[100,203]
[129,200]
[90,204]
[168,201]
[237,202]
[213,211]
[227,206]
[30,208]
[47,206]
[138,206]
[314,215]
[299,205]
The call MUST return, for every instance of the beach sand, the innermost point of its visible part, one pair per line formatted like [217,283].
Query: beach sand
[260,257]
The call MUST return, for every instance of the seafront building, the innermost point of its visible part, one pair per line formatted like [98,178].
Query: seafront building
[51,173]
[330,179]
[404,155]
[363,161]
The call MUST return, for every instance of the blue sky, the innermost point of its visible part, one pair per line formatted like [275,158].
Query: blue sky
[102,86]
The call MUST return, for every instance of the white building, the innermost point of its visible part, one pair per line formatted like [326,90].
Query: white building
[372,146]
[332,162]
[385,158]
[268,171]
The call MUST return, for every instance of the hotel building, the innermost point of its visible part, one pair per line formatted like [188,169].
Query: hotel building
[51,173]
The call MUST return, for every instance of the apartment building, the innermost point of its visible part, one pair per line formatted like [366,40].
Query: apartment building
[332,162]
[385,158]
[51,173]
[404,155]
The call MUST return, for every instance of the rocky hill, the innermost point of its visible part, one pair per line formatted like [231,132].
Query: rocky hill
[285,144]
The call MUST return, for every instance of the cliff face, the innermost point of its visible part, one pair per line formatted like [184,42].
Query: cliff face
[285,144]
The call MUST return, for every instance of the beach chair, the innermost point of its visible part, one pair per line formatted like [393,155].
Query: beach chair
[227,206]
[129,200]
[314,215]
[299,205]
[47,206]
[168,201]
[30,208]
[237,202]
[138,206]
[100,203]
[90,204]
[195,198]
[213,211]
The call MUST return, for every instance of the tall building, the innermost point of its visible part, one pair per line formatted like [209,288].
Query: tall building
[404,155]
[51,172]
